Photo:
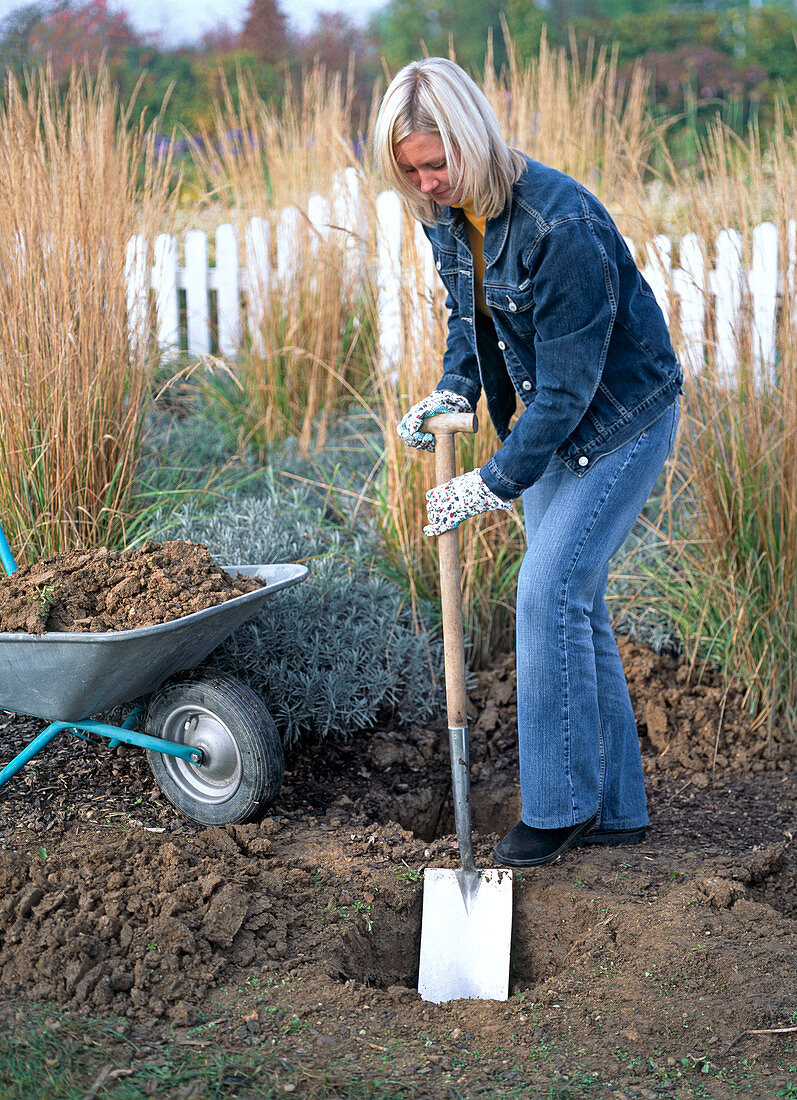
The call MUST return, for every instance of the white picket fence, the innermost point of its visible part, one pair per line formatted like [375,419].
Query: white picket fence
[242,291]
[734,307]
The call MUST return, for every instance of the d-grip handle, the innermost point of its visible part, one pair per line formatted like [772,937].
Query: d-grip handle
[444,427]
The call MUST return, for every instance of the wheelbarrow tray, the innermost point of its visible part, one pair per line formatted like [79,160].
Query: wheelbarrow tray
[69,676]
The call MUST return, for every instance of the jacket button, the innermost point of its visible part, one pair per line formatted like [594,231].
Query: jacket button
[438,265]
[583,461]
[512,306]
[527,385]
[502,345]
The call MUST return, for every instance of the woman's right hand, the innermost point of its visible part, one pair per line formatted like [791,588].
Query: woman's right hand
[441,401]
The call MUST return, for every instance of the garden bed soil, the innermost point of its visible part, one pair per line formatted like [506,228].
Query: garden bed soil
[105,590]
[661,969]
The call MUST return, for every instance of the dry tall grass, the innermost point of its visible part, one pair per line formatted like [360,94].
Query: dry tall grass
[305,350]
[76,181]
[577,116]
[731,530]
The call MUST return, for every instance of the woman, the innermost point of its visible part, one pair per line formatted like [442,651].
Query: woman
[546,304]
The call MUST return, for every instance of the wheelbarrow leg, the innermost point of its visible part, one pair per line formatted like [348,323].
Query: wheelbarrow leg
[115,734]
[31,750]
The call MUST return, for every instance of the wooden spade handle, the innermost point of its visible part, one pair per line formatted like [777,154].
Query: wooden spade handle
[443,427]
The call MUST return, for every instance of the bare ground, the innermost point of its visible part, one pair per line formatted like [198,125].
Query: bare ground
[663,969]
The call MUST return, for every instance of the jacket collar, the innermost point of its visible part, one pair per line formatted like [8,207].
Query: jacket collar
[495,234]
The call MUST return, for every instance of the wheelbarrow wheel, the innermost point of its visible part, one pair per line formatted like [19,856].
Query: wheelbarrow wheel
[242,766]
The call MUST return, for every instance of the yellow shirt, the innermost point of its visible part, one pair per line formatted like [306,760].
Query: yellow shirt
[475,227]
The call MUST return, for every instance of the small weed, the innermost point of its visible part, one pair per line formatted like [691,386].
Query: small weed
[359,907]
[293,1025]
[365,908]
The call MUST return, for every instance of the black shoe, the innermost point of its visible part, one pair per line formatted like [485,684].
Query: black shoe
[525,846]
[614,838]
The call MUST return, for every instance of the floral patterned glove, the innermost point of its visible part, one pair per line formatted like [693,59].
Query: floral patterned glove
[443,401]
[464,496]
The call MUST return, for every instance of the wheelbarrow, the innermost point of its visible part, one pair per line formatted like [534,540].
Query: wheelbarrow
[211,743]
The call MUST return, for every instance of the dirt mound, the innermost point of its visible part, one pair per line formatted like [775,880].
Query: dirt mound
[104,590]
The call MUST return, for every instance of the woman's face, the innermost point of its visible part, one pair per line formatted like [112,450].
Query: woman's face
[422,158]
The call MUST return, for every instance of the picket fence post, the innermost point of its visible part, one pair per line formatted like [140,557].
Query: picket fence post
[227,284]
[388,279]
[349,216]
[197,300]
[764,298]
[689,286]
[137,285]
[258,278]
[164,283]
[290,231]
[657,271]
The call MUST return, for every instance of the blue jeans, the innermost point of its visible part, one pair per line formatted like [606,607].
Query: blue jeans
[579,749]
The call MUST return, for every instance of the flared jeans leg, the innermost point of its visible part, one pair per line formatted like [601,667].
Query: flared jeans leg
[579,749]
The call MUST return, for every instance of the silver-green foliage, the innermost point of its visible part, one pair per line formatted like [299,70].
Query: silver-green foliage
[333,654]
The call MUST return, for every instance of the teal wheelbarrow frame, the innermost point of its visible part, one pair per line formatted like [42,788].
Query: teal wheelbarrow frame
[211,743]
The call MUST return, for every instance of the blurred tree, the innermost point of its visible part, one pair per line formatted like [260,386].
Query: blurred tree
[220,40]
[220,72]
[170,86]
[526,22]
[82,34]
[771,34]
[407,29]
[265,32]
[341,46]
[708,75]
[732,60]
[16,29]
[332,42]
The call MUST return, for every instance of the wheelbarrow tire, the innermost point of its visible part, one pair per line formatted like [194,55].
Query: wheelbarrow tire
[243,763]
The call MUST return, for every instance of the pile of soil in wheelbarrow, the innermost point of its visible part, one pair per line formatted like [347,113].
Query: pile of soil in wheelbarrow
[103,590]
[290,947]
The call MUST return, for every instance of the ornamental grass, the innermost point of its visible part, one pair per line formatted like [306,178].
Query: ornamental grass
[78,178]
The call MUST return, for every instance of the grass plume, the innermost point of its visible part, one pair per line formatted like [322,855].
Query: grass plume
[77,180]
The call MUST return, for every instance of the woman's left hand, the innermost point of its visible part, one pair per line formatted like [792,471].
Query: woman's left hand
[464,496]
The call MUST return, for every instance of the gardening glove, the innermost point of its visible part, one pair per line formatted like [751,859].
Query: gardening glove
[464,496]
[443,401]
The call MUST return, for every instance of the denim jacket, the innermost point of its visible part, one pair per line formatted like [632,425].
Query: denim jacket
[575,330]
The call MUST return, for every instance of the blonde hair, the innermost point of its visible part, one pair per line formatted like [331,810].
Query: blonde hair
[435,96]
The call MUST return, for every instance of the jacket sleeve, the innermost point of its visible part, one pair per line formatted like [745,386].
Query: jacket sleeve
[460,365]
[575,288]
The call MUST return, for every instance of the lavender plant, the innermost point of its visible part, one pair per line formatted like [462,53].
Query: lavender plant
[334,654]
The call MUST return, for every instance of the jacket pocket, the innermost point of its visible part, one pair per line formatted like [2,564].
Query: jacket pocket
[515,305]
